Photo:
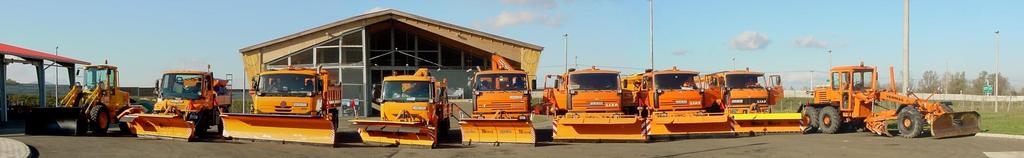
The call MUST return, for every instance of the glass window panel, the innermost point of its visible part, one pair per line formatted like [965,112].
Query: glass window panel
[352,75]
[333,42]
[429,56]
[304,57]
[353,55]
[450,56]
[333,78]
[380,40]
[327,55]
[352,91]
[354,38]
[281,62]
[426,44]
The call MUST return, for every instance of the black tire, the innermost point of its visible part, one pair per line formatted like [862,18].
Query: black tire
[99,120]
[829,120]
[220,123]
[82,125]
[810,118]
[201,125]
[910,122]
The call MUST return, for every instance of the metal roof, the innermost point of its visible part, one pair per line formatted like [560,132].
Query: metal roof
[384,13]
[33,54]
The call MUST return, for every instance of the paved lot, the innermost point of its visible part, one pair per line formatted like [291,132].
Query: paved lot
[785,145]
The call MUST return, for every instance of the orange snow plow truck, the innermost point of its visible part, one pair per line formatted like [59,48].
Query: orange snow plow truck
[501,107]
[414,110]
[187,106]
[674,103]
[588,106]
[289,105]
[853,93]
[747,98]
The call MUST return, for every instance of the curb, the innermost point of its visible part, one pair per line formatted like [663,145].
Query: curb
[995,135]
[13,148]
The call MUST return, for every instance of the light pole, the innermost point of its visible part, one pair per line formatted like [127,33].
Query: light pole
[56,78]
[829,52]
[734,63]
[906,46]
[997,71]
[651,4]
[566,37]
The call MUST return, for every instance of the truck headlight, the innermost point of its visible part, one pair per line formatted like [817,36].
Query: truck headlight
[419,108]
[300,104]
[737,101]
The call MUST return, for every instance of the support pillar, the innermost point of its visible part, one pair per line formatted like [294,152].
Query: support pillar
[3,90]
[41,79]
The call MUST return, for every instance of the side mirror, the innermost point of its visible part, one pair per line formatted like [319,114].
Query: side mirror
[533,82]
[156,88]
[376,95]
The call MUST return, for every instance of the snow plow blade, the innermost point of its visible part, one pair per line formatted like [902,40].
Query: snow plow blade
[284,128]
[497,131]
[625,129]
[396,133]
[162,126]
[956,124]
[684,125]
[768,123]
[54,121]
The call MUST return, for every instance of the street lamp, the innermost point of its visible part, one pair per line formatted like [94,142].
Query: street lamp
[829,52]
[997,71]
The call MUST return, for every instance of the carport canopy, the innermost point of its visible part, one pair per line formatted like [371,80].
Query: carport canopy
[34,58]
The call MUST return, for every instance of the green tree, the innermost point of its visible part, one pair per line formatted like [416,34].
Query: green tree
[956,82]
[929,83]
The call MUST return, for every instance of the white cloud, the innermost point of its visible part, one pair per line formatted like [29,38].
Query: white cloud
[810,42]
[375,9]
[749,40]
[680,52]
[505,19]
[540,3]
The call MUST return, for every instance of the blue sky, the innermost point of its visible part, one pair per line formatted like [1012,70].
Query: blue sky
[146,37]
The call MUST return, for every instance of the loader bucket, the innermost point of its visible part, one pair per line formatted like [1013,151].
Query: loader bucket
[396,133]
[286,128]
[497,131]
[599,129]
[683,125]
[162,126]
[768,123]
[956,124]
[54,121]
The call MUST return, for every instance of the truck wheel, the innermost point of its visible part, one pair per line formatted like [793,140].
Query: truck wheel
[98,120]
[910,122]
[220,123]
[810,119]
[829,120]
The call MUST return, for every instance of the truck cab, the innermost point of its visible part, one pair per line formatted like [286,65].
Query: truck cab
[742,91]
[292,91]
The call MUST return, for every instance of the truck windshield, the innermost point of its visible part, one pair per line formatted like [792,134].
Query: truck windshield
[287,85]
[594,81]
[407,91]
[95,77]
[744,80]
[184,86]
[674,81]
[501,82]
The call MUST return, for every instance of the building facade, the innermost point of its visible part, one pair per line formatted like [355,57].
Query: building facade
[360,51]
